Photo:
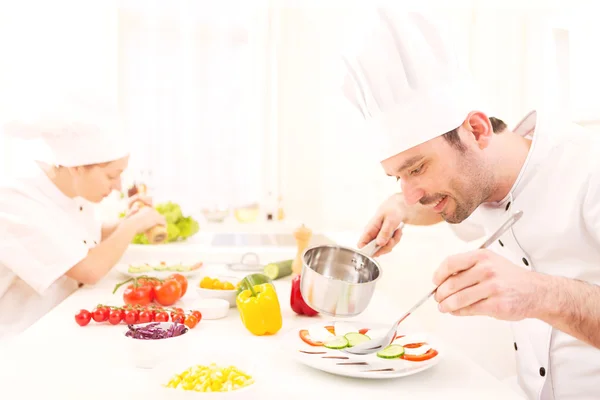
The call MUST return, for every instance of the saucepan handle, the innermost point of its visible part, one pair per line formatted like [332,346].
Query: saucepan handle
[376,248]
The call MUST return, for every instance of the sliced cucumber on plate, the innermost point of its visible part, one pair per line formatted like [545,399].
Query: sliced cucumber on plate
[355,338]
[338,342]
[392,351]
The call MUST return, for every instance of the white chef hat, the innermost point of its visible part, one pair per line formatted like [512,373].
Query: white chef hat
[68,129]
[405,79]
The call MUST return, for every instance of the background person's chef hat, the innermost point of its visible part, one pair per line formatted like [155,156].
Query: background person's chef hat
[405,79]
[67,130]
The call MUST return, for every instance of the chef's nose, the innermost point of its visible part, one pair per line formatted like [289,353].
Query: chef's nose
[412,193]
[117,185]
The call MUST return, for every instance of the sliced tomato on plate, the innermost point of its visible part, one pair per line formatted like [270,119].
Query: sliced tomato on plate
[363,331]
[427,356]
[306,338]
[414,345]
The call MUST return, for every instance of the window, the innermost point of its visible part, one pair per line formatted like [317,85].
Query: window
[193,93]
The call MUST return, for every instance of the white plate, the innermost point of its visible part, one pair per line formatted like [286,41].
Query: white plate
[124,270]
[293,345]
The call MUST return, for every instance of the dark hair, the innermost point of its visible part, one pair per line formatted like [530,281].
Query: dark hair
[454,139]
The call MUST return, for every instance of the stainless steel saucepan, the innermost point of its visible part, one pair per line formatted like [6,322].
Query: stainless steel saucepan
[338,281]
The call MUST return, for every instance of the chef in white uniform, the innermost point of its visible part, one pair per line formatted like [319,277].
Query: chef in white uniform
[50,241]
[434,136]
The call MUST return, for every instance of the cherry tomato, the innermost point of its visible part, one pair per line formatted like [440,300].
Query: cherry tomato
[161,317]
[179,318]
[168,292]
[116,316]
[176,311]
[191,321]
[145,316]
[83,317]
[100,314]
[182,281]
[131,317]
[198,315]
[141,295]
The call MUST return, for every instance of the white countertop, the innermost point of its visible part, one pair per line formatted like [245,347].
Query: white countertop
[61,360]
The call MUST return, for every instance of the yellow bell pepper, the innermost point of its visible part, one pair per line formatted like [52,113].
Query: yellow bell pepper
[259,309]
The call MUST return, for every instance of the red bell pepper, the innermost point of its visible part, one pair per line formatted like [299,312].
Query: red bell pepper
[297,302]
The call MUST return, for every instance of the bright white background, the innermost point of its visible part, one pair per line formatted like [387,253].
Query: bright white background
[228,103]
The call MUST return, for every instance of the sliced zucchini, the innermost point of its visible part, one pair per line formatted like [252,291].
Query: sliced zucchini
[338,342]
[355,338]
[392,351]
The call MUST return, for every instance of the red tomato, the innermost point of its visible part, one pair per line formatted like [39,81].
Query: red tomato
[141,295]
[182,281]
[131,317]
[176,311]
[304,336]
[83,317]
[100,314]
[148,282]
[191,321]
[161,317]
[363,331]
[168,292]
[179,318]
[144,317]
[198,315]
[430,354]
[116,316]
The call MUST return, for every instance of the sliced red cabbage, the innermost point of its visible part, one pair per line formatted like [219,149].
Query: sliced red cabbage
[154,331]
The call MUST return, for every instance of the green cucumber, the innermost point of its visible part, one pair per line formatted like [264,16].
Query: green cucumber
[392,351]
[133,269]
[338,342]
[277,270]
[355,338]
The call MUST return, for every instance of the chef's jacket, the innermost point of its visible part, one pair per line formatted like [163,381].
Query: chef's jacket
[558,190]
[43,234]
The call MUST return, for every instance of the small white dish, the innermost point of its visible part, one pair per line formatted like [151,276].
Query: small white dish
[212,308]
[147,353]
[163,373]
[228,295]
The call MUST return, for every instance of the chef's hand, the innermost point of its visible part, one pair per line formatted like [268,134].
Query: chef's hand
[133,201]
[142,219]
[481,282]
[387,219]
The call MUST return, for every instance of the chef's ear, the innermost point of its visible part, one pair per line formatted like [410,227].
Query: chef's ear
[480,126]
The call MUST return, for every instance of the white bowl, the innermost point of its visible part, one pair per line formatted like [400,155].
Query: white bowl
[147,353]
[212,308]
[166,371]
[229,295]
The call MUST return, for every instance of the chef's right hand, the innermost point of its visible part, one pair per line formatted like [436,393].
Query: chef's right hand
[142,219]
[387,219]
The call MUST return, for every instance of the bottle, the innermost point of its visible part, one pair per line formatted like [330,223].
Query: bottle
[302,236]
[271,207]
[280,213]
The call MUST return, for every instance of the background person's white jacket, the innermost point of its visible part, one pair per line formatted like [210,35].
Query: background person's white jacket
[43,234]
